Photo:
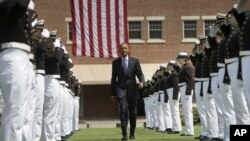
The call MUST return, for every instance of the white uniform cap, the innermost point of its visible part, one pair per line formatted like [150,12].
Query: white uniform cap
[182,55]
[172,62]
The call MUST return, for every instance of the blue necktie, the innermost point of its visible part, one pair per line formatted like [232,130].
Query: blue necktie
[125,67]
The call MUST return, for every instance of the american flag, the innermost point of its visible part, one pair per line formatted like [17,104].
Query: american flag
[98,27]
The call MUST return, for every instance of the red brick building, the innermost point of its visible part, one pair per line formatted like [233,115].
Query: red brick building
[158,30]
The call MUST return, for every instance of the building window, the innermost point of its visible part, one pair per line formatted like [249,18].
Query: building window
[69,31]
[155,29]
[190,29]
[207,24]
[135,31]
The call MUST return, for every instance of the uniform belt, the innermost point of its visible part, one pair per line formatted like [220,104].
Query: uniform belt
[181,84]
[54,76]
[169,89]
[214,74]
[62,82]
[31,56]
[201,79]
[40,71]
[16,45]
[231,60]
[66,84]
[245,53]
[221,65]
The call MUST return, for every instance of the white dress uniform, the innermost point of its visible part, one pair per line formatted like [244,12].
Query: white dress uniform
[14,62]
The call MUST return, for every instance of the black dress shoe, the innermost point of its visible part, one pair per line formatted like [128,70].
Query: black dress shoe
[132,137]
[124,138]
[185,135]
[173,132]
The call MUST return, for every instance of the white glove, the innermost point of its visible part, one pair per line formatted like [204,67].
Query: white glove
[34,23]
[45,33]
[57,43]
[213,30]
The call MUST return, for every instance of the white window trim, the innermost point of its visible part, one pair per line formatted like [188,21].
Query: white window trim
[67,20]
[208,17]
[136,18]
[137,41]
[189,40]
[155,18]
[156,41]
[189,18]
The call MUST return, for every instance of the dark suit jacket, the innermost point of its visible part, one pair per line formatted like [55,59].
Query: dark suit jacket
[122,83]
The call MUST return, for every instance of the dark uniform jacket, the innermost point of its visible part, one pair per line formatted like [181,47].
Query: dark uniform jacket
[15,24]
[39,49]
[186,76]
[52,60]
[64,67]
[232,44]
[172,82]
[214,55]
[245,36]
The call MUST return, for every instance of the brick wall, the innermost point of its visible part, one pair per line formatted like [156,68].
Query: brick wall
[55,11]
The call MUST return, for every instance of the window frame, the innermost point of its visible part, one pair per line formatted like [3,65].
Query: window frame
[141,19]
[68,20]
[156,18]
[189,18]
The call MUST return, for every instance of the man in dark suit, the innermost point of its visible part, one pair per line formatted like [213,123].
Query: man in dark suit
[125,89]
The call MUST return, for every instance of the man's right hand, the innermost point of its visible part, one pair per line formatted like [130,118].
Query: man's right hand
[113,99]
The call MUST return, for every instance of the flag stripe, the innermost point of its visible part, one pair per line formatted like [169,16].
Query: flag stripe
[82,27]
[98,27]
[117,16]
[90,28]
[125,21]
[104,29]
[113,27]
[109,29]
[73,25]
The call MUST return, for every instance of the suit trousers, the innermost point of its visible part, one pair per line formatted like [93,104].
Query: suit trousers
[211,114]
[127,109]
[160,118]
[51,105]
[14,81]
[228,106]
[218,105]
[239,98]
[38,115]
[186,101]
[246,78]
[201,108]
[175,113]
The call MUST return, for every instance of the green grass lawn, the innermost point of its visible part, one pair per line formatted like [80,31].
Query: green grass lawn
[114,134]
